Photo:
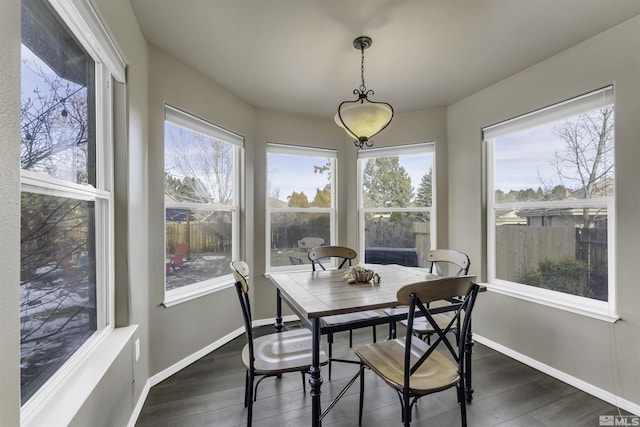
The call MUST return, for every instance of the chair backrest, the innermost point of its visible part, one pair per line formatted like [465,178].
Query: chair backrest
[344,253]
[179,254]
[460,292]
[437,257]
[241,274]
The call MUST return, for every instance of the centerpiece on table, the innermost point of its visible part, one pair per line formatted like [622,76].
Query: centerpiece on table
[360,274]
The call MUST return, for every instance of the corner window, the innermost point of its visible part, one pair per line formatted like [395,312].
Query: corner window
[66,289]
[300,203]
[551,189]
[201,197]
[396,198]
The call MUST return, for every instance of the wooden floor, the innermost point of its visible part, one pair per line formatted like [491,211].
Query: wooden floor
[210,392]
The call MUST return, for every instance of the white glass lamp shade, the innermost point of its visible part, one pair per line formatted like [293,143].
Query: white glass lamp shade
[364,119]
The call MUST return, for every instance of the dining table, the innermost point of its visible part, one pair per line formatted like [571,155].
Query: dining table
[312,295]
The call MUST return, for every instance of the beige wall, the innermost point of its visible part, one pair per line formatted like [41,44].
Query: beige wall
[183,329]
[596,352]
[10,211]
[169,335]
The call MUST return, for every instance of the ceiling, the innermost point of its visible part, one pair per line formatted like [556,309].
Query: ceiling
[298,56]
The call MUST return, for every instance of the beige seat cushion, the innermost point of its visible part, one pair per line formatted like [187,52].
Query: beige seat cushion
[387,359]
[287,351]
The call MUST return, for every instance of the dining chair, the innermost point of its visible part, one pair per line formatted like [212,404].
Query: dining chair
[442,262]
[414,368]
[269,355]
[344,256]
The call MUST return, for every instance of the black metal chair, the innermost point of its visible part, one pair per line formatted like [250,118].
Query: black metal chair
[345,256]
[269,355]
[442,263]
[414,368]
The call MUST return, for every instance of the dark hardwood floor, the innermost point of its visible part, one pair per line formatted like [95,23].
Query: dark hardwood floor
[210,392]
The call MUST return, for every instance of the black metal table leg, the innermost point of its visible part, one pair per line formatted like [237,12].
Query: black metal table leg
[468,351]
[314,379]
[278,325]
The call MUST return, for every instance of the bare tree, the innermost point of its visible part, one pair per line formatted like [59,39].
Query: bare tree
[204,163]
[55,129]
[585,164]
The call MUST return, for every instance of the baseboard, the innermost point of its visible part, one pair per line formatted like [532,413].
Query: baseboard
[176,367]
[139,405]
[562,376]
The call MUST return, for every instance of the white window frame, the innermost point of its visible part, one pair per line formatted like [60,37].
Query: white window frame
[195,124]
[296,150]
[83,22]
[364,155]
[603,310]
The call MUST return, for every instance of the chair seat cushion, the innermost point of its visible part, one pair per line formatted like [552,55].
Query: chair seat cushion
[287,351]
[386,359]
[340,319]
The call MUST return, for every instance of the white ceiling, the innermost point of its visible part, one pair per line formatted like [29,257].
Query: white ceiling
[297,55]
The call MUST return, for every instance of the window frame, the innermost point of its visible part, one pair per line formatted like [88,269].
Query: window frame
[419,148]
[603,310]
[297,150]
[85,25]
[196,124]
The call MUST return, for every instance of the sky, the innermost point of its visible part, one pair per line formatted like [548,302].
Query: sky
[517,172]
[295,173]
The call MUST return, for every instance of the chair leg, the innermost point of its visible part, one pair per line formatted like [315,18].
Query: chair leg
[350,338]
[463,405]
[304,385]
[375,336]
[330,343]
[361,395]
[246,387]
[392,330]
[406,409]
[250,400]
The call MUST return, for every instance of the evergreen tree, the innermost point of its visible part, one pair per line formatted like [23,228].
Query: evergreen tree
[424,196]
[386,183]
[298,200]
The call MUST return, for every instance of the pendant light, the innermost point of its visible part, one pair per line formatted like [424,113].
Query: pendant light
[363,118]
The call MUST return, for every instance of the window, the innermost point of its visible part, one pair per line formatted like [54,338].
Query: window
[551,188]
[301,206]
[66,232]
[202,199]
[396,197]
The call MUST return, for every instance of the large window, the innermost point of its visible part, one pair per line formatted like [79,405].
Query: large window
[300,203]
[201,196]
[66,201]
[396,194]
[551,193]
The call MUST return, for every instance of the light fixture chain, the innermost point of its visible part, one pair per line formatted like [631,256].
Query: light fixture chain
[362,67]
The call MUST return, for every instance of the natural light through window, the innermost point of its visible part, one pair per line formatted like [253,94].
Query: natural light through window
[396,192]
[66,204]
[552,182]
[300,203]
[201,197]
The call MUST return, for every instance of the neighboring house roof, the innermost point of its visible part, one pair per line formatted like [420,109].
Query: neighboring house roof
[179,214]
[277,203]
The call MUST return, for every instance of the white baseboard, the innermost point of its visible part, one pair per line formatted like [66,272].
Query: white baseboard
[605,395]
[176,367]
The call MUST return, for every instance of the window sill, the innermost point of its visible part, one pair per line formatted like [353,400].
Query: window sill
[600,310]
[191,292]
[66,399]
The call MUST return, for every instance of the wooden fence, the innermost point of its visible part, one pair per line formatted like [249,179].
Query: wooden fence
[201,237]
[520,248]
